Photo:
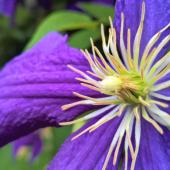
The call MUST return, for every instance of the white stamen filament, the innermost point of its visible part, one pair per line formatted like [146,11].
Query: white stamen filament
[137,141]
[89,116]
[159,65]
[159,119]
[158,49]
[120,129]
[136,45]
[122,45]
[147,118]
[128,142]
[164,115]
[150,44]
[160,96]
[161,86]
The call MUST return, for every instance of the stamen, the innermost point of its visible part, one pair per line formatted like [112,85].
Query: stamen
[104,62]
[104,69]
[136,45]
[156,68]
[122,45]
[105,47]
[121,109]
[84,97]
[152,41]
[159,119]
[103,121]
[160,96]
[129,55]
[112,114]
[126,155]
[95,75]
[160,113]
[161,86]
[129,142]
[159,103]
[89,116]
[90,87]
[158,49]
[104,99]
[121,129]
[147,61]
[117,150]
[129,133]
[112,59]
[137,140]
[83,102]
[113,44]
[82,132]
[147,118]
[144,102]
[79,72]
[163,73]
[118,66]
[91,82]
[136,113]
[93,66]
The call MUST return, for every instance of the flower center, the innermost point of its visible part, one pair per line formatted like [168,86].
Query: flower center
[129,87]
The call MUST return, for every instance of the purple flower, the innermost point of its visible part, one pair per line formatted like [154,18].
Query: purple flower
[131,94]
[33,141]
[132,127]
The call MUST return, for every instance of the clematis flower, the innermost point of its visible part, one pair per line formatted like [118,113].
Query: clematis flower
[132,126]
[32,141]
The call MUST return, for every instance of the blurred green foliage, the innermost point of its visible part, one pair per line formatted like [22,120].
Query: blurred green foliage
[29,27]
[50,147]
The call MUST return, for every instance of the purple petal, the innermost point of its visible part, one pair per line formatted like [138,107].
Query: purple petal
[154,150]
[88,151]
[33,140]
[157,16]
[8,7]
[36,84]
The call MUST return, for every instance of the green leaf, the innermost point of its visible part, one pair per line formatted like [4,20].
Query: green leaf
[81,39]
[62,21]
[101,12]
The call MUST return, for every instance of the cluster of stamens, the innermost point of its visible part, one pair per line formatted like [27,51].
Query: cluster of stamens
[130,85]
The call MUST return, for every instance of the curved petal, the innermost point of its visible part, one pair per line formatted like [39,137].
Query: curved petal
[88,151]
[33,140]
[36,84]
[154,152]
[155,19]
